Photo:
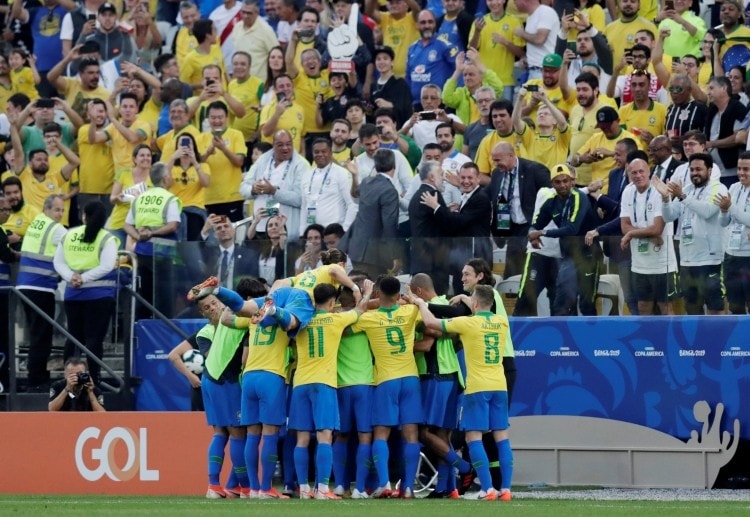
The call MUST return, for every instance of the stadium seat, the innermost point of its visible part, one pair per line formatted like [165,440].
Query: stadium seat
[610,290]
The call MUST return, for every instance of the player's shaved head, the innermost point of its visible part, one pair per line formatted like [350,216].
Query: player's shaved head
[422,281]
[484,296]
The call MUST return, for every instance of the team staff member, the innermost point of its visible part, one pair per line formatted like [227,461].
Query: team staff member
[37,280]
[485,403]
[154,218]
[86,261]
[314,403]
[396,400]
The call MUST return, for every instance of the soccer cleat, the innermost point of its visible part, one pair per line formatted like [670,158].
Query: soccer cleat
[215,492]
[271,494]
[288,490]
[382,492]
[233,493]
[465,481]
[327,495]
[489,495]
[438,494]
[339,490]
[356,494]
[306,493]
[406,493]
[208,286]
[248,494]
[267,308]
[505,495]
[454,494]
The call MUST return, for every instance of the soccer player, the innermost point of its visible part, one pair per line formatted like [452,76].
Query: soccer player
[314,402]
[289,304]
[396,398]
[263,396]
[355,386]
[485,403]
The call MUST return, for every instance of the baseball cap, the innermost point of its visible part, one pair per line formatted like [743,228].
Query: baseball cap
[606,115]
[552,61]
[384,50]
[561,169]
[106,6]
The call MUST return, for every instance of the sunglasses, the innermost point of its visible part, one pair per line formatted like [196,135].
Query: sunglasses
[675,89]
[639,73]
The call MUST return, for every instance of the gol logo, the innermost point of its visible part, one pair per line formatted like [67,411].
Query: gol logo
[136,461]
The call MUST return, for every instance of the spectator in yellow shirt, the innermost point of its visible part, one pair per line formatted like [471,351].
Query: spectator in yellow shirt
[189,179]
[23,73]
[548,143]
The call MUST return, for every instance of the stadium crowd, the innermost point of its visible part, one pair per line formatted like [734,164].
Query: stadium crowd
[558,133]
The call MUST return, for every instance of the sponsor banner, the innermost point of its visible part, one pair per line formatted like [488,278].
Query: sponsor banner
[105,453]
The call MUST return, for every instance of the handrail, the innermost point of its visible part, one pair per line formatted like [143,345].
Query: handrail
[157,312]
[128,352]
[68,335]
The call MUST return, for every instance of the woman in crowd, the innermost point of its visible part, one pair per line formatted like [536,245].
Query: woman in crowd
[275,67]
[128,185]
[313,239]
[272,245]
[190,178]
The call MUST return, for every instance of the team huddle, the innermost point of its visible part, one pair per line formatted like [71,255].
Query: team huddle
[366,359]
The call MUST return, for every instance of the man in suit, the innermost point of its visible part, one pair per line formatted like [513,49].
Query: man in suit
[227,261]
[469,226]
[429,251]
[660,152]
[371,239]
[608,207]
[512,190]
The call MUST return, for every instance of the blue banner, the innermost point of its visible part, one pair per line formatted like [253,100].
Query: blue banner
[645,370]
[162,388]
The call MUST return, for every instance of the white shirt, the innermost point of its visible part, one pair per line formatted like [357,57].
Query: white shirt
[221,16]
[452,164]
[664,165]
[423,132]
[642,208]
[738,221]
[401,179]
[326,196]
[543,17]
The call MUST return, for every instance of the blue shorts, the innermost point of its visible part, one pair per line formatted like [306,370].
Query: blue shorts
[296,301]
[440,403]
[263,398]
[355,405]
[314,408]
[222,402]
[484,411]
[397,402]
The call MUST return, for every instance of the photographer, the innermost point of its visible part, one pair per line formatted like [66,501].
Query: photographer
[76,392]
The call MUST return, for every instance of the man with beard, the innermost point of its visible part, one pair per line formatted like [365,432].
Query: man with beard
[429,60]
[37,183]
[731,25]
[21,214]
[591,47]
[583,123]
[78,91]
[340,131]
[501,112]
[643,117]
[701,235]
[452,161]
[550,84]
[621,32]
[476,131]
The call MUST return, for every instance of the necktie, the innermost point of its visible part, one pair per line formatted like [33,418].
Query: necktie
[224,267]
[659,171]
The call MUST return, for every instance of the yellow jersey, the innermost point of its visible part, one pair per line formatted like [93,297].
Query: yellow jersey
[185,43]
[186,185]
[268,348]
[741,33]
[248,92]
[77,98]
[483,336]
[621,35]
[18,221]
[600,169]
[307,280]
[494,55]
[555,95]
[399,35]
[191,69]
[293,120]
[150,114]
[97,169]
[551,149]
[225,177]
[653,119]
[36,191]
[306,89]
[391,335]
[318,347]
[167,143]
[22,80]
[122,149]
[484,151]
[582,126]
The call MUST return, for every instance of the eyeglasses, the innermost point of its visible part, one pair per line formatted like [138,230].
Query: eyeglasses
[708,41]
[675,89]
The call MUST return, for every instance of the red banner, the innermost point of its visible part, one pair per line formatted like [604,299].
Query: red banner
[105,453]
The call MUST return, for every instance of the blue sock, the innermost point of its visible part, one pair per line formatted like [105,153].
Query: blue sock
[339,463]
[380,459]
[230,298]
[457,461]
[290,442]
[323,462]
[269,455]
[251,460]
[450,486]
[301,464]
[216,458]
[232,481]
[443,471]
[411,462]
[505,454]
[364,463]
[284,318]
[237,453]
[480,463]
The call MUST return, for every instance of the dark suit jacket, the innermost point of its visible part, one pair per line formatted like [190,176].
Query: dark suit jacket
[245,262]
[472,220]
[673,164]
[610,230]
[531,177]
[422,220]
[376,219]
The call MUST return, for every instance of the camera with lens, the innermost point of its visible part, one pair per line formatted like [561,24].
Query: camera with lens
[83,377]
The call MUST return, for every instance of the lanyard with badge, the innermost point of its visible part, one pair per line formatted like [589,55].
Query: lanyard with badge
[311,208]
[687,226]
[270,202]
[735,237]
[502,222]
[642,242]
